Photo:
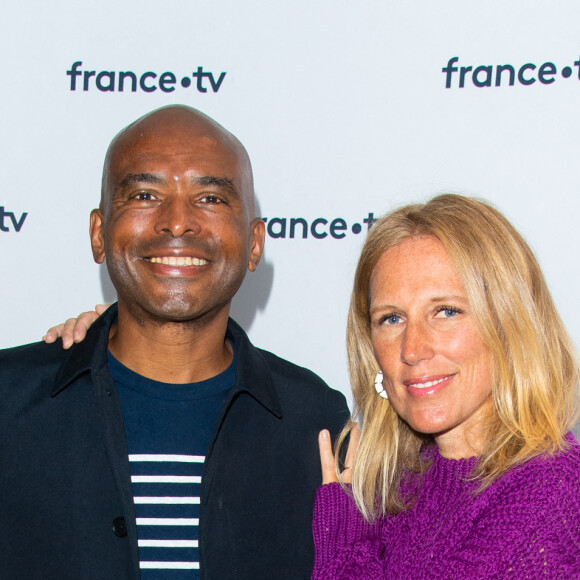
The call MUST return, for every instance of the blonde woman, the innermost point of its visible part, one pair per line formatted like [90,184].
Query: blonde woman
[465,384]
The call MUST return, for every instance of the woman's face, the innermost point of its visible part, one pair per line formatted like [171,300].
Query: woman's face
[437,370]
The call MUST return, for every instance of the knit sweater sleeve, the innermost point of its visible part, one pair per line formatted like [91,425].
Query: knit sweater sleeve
[346,546]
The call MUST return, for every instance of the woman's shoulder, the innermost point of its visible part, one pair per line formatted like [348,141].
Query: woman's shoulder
[551,467]
[547,481]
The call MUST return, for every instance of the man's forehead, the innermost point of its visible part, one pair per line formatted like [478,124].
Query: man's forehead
[170,141]
[168,152]
[177,141]
[176,122]
[173,130]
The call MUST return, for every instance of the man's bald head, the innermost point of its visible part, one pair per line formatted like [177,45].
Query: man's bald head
[177,223]
[174,130]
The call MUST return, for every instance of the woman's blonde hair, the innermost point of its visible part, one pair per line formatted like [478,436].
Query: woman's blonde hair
[535,370]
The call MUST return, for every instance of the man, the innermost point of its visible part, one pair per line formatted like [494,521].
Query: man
[165,427]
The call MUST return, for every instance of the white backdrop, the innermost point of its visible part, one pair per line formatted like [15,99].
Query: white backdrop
[344,110]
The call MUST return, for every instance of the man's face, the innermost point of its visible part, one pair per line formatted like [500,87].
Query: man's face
[176,228]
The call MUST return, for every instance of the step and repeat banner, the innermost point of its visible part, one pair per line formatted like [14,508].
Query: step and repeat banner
[348,109]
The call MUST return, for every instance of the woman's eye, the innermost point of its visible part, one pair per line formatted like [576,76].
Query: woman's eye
[391,320]
[447,312]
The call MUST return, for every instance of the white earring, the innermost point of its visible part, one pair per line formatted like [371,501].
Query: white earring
[379,388]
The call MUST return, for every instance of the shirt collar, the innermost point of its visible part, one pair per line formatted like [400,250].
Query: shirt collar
[253,375]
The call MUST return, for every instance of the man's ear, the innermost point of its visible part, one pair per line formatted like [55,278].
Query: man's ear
[97,236]
[257,238]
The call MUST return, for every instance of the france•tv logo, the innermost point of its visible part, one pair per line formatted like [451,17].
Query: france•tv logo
[110,81]
[504,74]
[9,217]
[319,228]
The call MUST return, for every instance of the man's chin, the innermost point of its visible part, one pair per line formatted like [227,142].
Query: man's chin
[175,311]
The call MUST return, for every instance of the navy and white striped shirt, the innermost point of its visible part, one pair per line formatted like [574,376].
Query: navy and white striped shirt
[168,429]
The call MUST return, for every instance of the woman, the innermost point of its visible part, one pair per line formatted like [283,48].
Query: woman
[466,386]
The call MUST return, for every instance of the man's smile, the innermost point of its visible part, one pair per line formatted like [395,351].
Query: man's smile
[178,260]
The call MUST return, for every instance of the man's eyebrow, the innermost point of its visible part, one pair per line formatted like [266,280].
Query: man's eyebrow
[219,182]
[141,178]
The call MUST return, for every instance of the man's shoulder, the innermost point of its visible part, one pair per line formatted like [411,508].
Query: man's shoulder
[296,386]
[276,365]
[21,361]
[291,371]
[28,375]
[299,383]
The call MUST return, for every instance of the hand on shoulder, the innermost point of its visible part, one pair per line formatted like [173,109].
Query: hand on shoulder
[74,329]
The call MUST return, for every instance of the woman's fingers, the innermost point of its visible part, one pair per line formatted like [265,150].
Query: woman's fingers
[326,457]
[53,333]
[74,329]
[100,308]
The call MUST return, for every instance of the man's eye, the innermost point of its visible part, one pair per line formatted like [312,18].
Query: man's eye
[144,196]
[211,199]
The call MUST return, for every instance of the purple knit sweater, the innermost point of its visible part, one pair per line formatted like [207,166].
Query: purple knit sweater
[525,525]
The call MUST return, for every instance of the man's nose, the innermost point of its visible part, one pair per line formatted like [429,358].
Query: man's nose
[177,216]
[417,343]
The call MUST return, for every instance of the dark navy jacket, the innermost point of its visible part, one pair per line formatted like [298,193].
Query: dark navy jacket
[66,505]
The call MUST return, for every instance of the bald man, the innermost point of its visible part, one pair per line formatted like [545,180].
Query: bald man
[165,445]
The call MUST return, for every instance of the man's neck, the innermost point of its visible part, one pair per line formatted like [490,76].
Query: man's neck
[172,352]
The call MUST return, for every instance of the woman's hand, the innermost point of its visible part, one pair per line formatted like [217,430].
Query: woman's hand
[74,329]
[327,457]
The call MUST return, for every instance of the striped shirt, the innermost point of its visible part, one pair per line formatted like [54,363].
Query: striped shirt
[168,429]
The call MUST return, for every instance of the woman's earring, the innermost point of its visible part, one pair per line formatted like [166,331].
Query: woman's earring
[379,388]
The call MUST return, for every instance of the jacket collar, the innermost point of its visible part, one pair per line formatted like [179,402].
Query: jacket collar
[253,375]
[88,355]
